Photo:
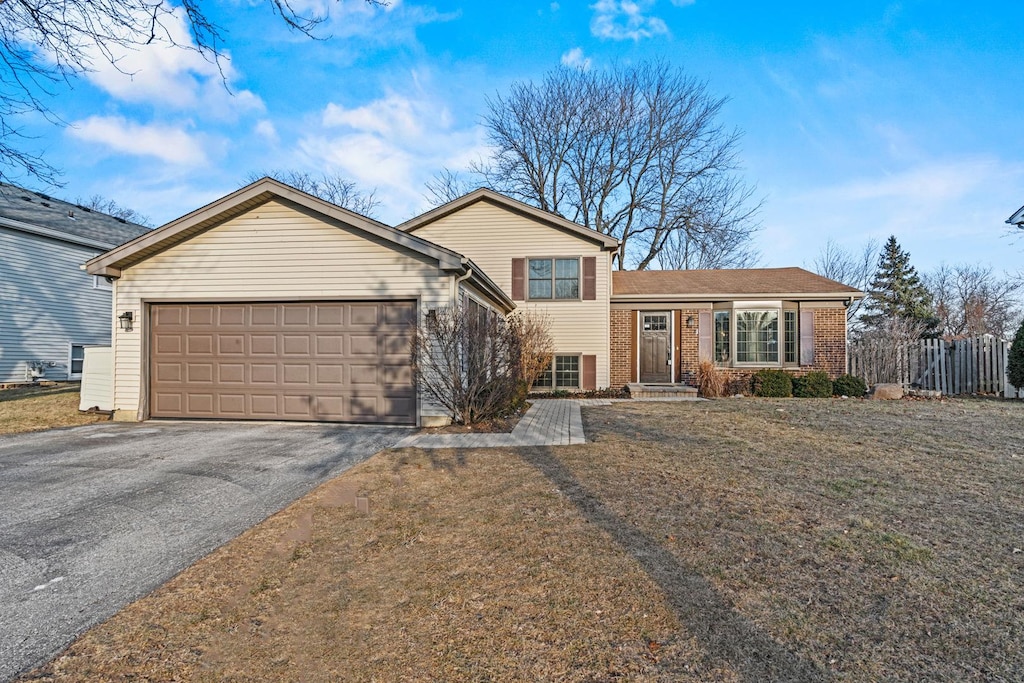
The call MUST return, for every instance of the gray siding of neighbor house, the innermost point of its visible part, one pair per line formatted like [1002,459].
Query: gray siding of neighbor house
[46,303]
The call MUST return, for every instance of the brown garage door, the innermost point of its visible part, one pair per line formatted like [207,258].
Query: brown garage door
[329,361]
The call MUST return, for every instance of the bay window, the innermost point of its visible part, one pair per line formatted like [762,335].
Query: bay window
[756,335]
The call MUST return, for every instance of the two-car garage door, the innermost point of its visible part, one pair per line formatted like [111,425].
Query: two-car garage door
[331,361]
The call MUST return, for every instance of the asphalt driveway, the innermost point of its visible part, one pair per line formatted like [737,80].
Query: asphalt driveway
[94,517]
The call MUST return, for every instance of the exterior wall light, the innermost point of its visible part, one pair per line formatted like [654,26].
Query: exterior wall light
[125,321]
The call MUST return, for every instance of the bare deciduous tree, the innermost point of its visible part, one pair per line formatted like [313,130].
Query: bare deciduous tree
[852,268]
[44,45]
[446,186]
[112,208]
[477,364]
[330,188]
[633,152]
[972,300]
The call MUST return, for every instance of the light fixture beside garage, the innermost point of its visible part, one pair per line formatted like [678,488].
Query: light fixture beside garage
[125,321]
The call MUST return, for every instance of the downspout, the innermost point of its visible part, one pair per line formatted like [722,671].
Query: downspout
[455,284]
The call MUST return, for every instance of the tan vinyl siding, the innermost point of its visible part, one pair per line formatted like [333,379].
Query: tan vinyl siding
[492,236]
[270,253]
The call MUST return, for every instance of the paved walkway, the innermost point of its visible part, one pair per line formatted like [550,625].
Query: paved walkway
[548,422]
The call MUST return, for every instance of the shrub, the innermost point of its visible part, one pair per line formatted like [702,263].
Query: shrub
[770,383]
[1015,361]
[849,385]
[737,384]
[710,380]
[813,385]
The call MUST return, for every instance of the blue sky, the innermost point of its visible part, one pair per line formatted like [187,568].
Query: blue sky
[859,119]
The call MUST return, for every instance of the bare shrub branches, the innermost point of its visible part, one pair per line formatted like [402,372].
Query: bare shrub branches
[476,364]
[635,153]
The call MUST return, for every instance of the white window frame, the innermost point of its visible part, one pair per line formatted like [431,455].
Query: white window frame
[554,280]
[780,308]
[71,358]
[102,283]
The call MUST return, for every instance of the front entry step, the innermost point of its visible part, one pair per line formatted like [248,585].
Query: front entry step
[661,391]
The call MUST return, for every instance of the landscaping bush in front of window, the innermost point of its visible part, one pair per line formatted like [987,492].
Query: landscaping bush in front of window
[813,385]
[772,383]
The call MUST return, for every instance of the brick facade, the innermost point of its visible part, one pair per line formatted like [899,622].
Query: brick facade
[621,348]
[829,347]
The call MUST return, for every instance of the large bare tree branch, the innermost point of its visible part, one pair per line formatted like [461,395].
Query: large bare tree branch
[633,152]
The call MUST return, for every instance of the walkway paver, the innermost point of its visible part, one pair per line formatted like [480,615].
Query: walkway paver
[548,422]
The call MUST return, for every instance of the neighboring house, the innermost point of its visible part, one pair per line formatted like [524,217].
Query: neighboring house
[272,304]
[51,309]
[1017,218]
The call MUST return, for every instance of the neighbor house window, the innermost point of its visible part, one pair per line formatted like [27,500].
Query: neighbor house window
[76,359]
[554,278]
[757,336]
[100,282]
[562,373]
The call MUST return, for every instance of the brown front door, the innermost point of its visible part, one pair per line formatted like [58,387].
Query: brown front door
[655,351]
[324,361]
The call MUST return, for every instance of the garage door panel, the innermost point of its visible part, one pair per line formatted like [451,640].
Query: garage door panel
[263,373]
[199,344]
[263,344]
[336,361]
[232,373]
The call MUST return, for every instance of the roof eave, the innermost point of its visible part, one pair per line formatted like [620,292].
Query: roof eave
[1017,218]
[729,296]
[30,228]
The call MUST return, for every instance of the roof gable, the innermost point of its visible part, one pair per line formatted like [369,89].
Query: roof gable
[246,199]
[727,283]
[37,213]
[484,194]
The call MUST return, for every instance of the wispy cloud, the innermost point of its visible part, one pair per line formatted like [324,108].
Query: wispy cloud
[170,144]
[171,73]
[625,20]
[393,144]
[575,58]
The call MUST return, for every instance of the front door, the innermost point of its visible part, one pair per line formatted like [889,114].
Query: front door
[655,350]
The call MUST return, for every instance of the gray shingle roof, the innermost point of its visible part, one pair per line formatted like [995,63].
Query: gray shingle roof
[63,218]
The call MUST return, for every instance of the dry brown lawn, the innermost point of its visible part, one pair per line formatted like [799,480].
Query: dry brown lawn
[733,540]
[31,409]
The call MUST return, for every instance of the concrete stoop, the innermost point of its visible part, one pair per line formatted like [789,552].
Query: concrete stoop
[661,391]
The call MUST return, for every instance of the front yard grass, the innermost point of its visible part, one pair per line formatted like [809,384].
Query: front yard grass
[34,408]
[733,540]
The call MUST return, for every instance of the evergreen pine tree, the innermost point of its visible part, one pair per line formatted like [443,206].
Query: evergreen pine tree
[1015,363]
[896,293]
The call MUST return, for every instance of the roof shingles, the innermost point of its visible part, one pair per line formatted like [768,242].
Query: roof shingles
[746,281]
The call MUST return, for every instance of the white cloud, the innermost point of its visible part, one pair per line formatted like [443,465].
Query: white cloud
[393,22]
[625,20]
[167,143]
[266,130]
[948,210]
[394,145]
[574,58]
[171,75]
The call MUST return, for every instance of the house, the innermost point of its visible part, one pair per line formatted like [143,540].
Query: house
[272,304]
[51,309]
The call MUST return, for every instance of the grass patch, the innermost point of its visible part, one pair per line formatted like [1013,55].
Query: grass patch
[722,541]
[32,409]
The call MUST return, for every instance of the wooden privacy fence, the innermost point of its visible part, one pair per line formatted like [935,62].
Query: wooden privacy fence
[961,366]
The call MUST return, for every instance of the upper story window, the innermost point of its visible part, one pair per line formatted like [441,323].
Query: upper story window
[554,278]
[100,282]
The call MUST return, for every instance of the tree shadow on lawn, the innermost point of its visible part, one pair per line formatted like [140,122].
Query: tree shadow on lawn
[724,633]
